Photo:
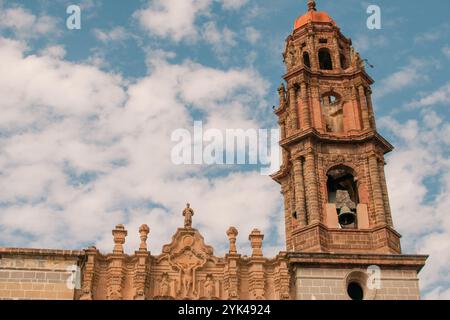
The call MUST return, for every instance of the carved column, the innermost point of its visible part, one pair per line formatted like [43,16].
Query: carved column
[116,264]
[364,107]
[312,192]
[142,268]
[300,200]
[231,277]
[282,278]
[256,269]
[306,115]
[89,275]
[371,111]
[377,192]
[387,206]
[293,108]
[231,273]
[287,215]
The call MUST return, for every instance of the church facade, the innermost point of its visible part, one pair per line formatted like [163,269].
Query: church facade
[340,238]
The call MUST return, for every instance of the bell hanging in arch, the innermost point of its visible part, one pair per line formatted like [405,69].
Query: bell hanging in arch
[346,216]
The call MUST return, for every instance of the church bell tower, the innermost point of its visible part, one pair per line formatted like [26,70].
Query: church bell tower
[332,175]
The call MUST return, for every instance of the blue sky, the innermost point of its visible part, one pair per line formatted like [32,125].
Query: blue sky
[87,117]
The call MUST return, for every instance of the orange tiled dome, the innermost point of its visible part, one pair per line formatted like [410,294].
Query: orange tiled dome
[313,16]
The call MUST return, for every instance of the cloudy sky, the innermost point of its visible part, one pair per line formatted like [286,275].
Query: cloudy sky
[87,117]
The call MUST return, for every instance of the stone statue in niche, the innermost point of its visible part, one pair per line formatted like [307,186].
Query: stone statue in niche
[164,287]
[209,287]
[187,264]
[334,113]
[187,280]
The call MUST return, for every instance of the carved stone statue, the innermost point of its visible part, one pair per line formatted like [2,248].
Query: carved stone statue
[164,287]
[188,213]
[209,287]
[187,279]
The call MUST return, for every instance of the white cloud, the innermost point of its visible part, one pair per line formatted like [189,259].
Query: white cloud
[439,96]
[221,40]
[407,76]
[82,150]
[417,169]
[233,4]
[56,51]
[432,35]
[363,42]
[115,34]
[446,51]
[438,294]
[172,19]
[252,35]
[24,24]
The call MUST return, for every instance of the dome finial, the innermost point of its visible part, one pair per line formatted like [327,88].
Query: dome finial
[311,5]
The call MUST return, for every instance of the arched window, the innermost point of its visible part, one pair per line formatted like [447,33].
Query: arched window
[325,61]
[333,111]
[306,60]
[343,191]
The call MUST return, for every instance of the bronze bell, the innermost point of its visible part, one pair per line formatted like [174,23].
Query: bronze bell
[346,216]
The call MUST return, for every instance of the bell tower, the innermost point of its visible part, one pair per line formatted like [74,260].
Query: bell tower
[332,174]
[336,204]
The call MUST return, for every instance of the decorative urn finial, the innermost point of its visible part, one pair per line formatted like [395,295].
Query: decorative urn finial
[256,239]
[119,234]
[144,230]
[232,234]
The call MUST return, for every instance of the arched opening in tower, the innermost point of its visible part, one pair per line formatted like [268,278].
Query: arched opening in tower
[343,192]
[325,62]
[333,112]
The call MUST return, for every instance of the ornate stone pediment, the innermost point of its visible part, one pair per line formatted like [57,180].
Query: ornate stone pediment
[186,269]
[186,254]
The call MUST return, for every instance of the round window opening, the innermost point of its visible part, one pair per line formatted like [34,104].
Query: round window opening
[355,291]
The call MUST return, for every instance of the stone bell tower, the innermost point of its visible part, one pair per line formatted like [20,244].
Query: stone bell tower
[332,174]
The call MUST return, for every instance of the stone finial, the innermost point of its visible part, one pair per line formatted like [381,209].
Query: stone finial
[311,5]
[188,214]
[119,234]
[232,234]
[144,230]
[256,239]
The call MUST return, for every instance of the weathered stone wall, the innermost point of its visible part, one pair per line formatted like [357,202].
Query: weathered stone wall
[331,284]
[37,274]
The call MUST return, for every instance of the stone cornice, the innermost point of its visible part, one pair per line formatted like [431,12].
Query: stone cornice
[415,262]
[358,137]
[42,252]
[325,75]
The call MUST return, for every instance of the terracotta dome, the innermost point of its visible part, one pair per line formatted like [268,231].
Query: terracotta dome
[313,16]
